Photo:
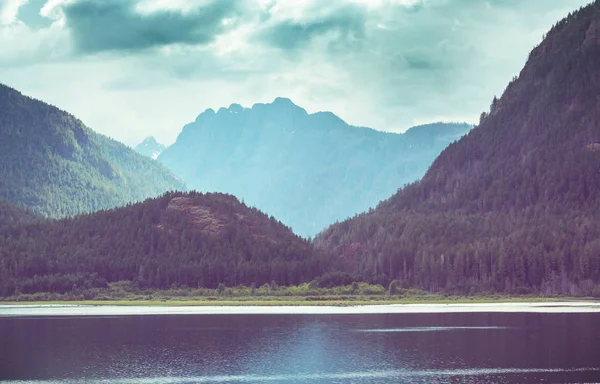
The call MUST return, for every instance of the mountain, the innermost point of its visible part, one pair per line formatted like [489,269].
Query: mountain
[178,239]
[308,170]
[55,166]
[150,147]
[515,205]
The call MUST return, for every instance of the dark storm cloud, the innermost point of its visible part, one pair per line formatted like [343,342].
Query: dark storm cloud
[348,23]
[116,25]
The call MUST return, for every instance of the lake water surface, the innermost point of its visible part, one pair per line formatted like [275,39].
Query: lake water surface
[482,347]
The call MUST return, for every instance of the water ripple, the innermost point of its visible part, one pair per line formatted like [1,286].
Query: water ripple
[427,329]
[388,374]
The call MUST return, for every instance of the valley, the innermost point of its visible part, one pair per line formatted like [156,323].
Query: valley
[311,192]
[508,207]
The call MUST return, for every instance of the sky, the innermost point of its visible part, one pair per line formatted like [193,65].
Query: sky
[135,68]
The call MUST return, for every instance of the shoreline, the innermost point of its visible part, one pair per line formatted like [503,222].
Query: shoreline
[50,310]
[286,301]
[178,302]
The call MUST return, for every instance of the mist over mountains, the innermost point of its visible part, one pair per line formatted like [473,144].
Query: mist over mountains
[308,170]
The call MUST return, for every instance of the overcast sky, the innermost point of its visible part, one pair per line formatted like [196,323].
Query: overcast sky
[130,69]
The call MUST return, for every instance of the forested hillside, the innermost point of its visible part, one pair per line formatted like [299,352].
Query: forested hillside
[13,216]
[513,206]
[186,239]
[308,170]
[54,165]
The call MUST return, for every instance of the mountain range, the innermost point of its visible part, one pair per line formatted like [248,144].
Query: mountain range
[513,206]
[308,170]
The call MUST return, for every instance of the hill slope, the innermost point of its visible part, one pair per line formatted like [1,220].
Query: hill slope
[514,205]
[188,239]
[54,165]
[308,170]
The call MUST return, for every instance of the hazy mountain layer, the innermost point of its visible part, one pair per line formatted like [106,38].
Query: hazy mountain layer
[308,170]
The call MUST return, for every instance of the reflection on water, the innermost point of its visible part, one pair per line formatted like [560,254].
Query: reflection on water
[392,348]
[412,376]
[426,329]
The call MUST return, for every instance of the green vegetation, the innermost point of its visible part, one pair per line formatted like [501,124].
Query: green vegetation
[512,207]
[54,165]
[126,293]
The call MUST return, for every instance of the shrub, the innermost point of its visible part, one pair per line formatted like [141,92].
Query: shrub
[335,279]
[393,287]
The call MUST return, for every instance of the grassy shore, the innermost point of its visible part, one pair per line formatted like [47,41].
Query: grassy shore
[253,302]
[126,294]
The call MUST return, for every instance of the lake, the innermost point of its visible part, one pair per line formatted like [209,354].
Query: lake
[449,347]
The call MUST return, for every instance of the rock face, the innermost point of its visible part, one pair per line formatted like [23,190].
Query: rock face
[150,148]
[514,205]
[308,170]
[54,165]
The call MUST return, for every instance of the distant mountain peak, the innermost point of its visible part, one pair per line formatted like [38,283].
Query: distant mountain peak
[283,101]
[150,140]
[150,147]
[236,108]
[330,117]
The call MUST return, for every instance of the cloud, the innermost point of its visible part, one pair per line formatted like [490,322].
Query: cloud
[9,10]
[118,25]
[345,24]
[133,68]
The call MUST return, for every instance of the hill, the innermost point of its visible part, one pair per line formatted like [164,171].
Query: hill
[150,147]
[13,216]
[178,239]
[55,166]
[514,205]
[308,170]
